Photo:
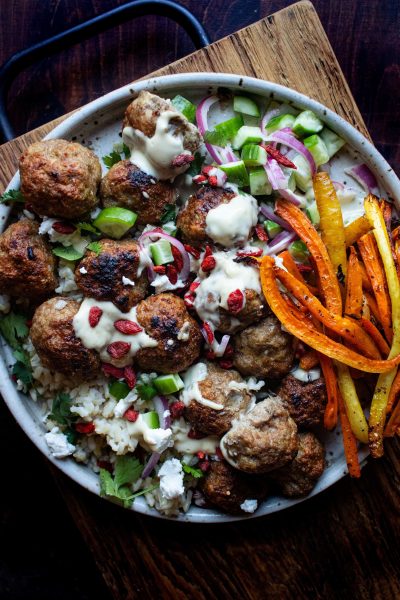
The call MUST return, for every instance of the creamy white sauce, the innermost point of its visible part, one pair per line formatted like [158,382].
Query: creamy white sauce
[161,283]
[186,445]
[152,440]
[231,224]
[191,378]
[306,376]
[215,287]
[155,155]
[184,332]
[98,338]
[127,281]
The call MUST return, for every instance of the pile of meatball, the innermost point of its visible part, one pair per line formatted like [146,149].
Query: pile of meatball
[266,447]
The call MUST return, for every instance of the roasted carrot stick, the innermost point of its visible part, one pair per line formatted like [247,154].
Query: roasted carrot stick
[356,229]
[394,392]
[365,279]
[309,360]
[331,409]
[373,265]
[349,441]
[372,305]
[376,335]
[354,296]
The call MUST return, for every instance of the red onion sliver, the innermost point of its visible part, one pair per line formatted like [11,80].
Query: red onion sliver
[158,234]
[219,155]
[151,463]
[284,137]
[161,405]
[281,242]
[268,212]
[364,176]
[275,175]
[270,114]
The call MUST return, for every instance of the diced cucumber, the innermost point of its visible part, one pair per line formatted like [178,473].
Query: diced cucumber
[302,174]
[151,419]
[272,228]
[253,155]
[170,228]
[307,123]
[187,108]
[291,179]
[299,251]
[310,196]
[236,172]
[332,141]
[313,214]
[168,384]
[247,135]
[161,252]
[259,184]
[119,389]
[247,106]
[115,221]
[230,127]
[280,122]
[317,148]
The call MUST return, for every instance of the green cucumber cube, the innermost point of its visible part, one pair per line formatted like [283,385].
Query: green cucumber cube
[151,419]
[259,184]
[279,122]
[236,172]
[302,174]
[230,127]
[168,384]
[313,214]
[332,141]
[317,148]
[253,155]
[247,135]
[247,106]
[187,108]
[161,252]
[299,251]
[307,123]
[272,228]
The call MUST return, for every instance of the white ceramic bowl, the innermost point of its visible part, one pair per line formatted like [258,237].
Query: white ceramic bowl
[97,125]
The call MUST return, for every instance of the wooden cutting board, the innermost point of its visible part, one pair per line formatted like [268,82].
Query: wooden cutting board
[296,553]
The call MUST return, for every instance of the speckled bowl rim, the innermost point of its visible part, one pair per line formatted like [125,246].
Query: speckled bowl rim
[192,81]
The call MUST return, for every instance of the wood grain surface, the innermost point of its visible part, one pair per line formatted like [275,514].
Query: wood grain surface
[342,544]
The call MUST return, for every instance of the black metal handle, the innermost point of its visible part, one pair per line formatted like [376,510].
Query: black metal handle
[139,8]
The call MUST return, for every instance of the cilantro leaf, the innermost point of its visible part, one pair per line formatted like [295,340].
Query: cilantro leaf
[217,138]
[196,164]
[127,470]
[12,196]
[23,372]
[61,410]
[67,253]
[13,328]
[115,155]
[71,435]
[169,214]
[94,247]
[196,473]
[88,227]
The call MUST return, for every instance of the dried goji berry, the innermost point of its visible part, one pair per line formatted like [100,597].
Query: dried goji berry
[213,181]
[219,453]
[94,316]
[278,156]
[178,260]
[235,301]
[200,455]
[131,415]
[206,169]
[226,364]
[61,227]
[199,179]
[261,233]
[194,285]
[208,264]
[188,300]
[112,370]
[255,252]
[159,269]
[84,427]
[193,251]
[130,377]
[210,355]
[172,274]
[229,351]
[127,327]
[118,349]
[209,332]
[208,251]
[176,409]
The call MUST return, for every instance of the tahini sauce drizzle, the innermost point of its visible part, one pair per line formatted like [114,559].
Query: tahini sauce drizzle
[191,378]
[230,224]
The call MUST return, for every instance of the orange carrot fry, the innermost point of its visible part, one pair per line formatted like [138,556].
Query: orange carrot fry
[354,297]
[349,441]
[376,335]
[394,392]
[331,409]
[290,264]
[309,360]
[365,280]
[373,264]
[372,306]
[356,229]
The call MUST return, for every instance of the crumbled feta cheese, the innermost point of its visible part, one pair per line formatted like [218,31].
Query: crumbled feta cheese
[58,444]
[166,414]
[121,407]
[83,270]
[4,303]
[145,195]
[29,215]
[183,334]
[46,225]
[171,479]
[60,304]
[249,506]
[158,439]
[127,281]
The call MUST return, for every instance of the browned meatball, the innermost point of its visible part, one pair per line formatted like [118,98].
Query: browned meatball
[218,387]
[253,310]
[305,401]
[300,476]
[226,488]
[192,219]
[26,262]
[142,114]
[100,275]
[127,186]
[53,336]
[263,439]
[163,317]
[60,178]
[264,350]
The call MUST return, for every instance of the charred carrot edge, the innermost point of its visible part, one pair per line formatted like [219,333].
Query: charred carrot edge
[306,231]
[349,441]
[290,264]
[354,295]
[331,409]
[373,265]
[394,392]
[376,335]
[372,305]
[309,360]
[356,229]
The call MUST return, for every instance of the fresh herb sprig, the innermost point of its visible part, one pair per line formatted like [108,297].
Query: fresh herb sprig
[127,471]
[14,329]
[118,153]
[12,196]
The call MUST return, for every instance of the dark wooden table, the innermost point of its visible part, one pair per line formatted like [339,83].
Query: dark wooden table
[42,554]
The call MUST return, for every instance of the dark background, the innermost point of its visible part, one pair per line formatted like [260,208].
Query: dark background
[42,555]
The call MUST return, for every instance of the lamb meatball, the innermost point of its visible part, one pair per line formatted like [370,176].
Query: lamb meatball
[192,219]
[60,178]
[305,401]
[226,488]
[127,186]
[218,387]
[300,476]
[53,336]
[165,318]
[26,262]
[264,350]
[262,440]
[254,309]
[142,114]
[101,275]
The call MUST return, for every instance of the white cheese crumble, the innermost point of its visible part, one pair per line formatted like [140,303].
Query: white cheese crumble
[171,479]
[83,270]
[58,444]
[127,281]
[249,506]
